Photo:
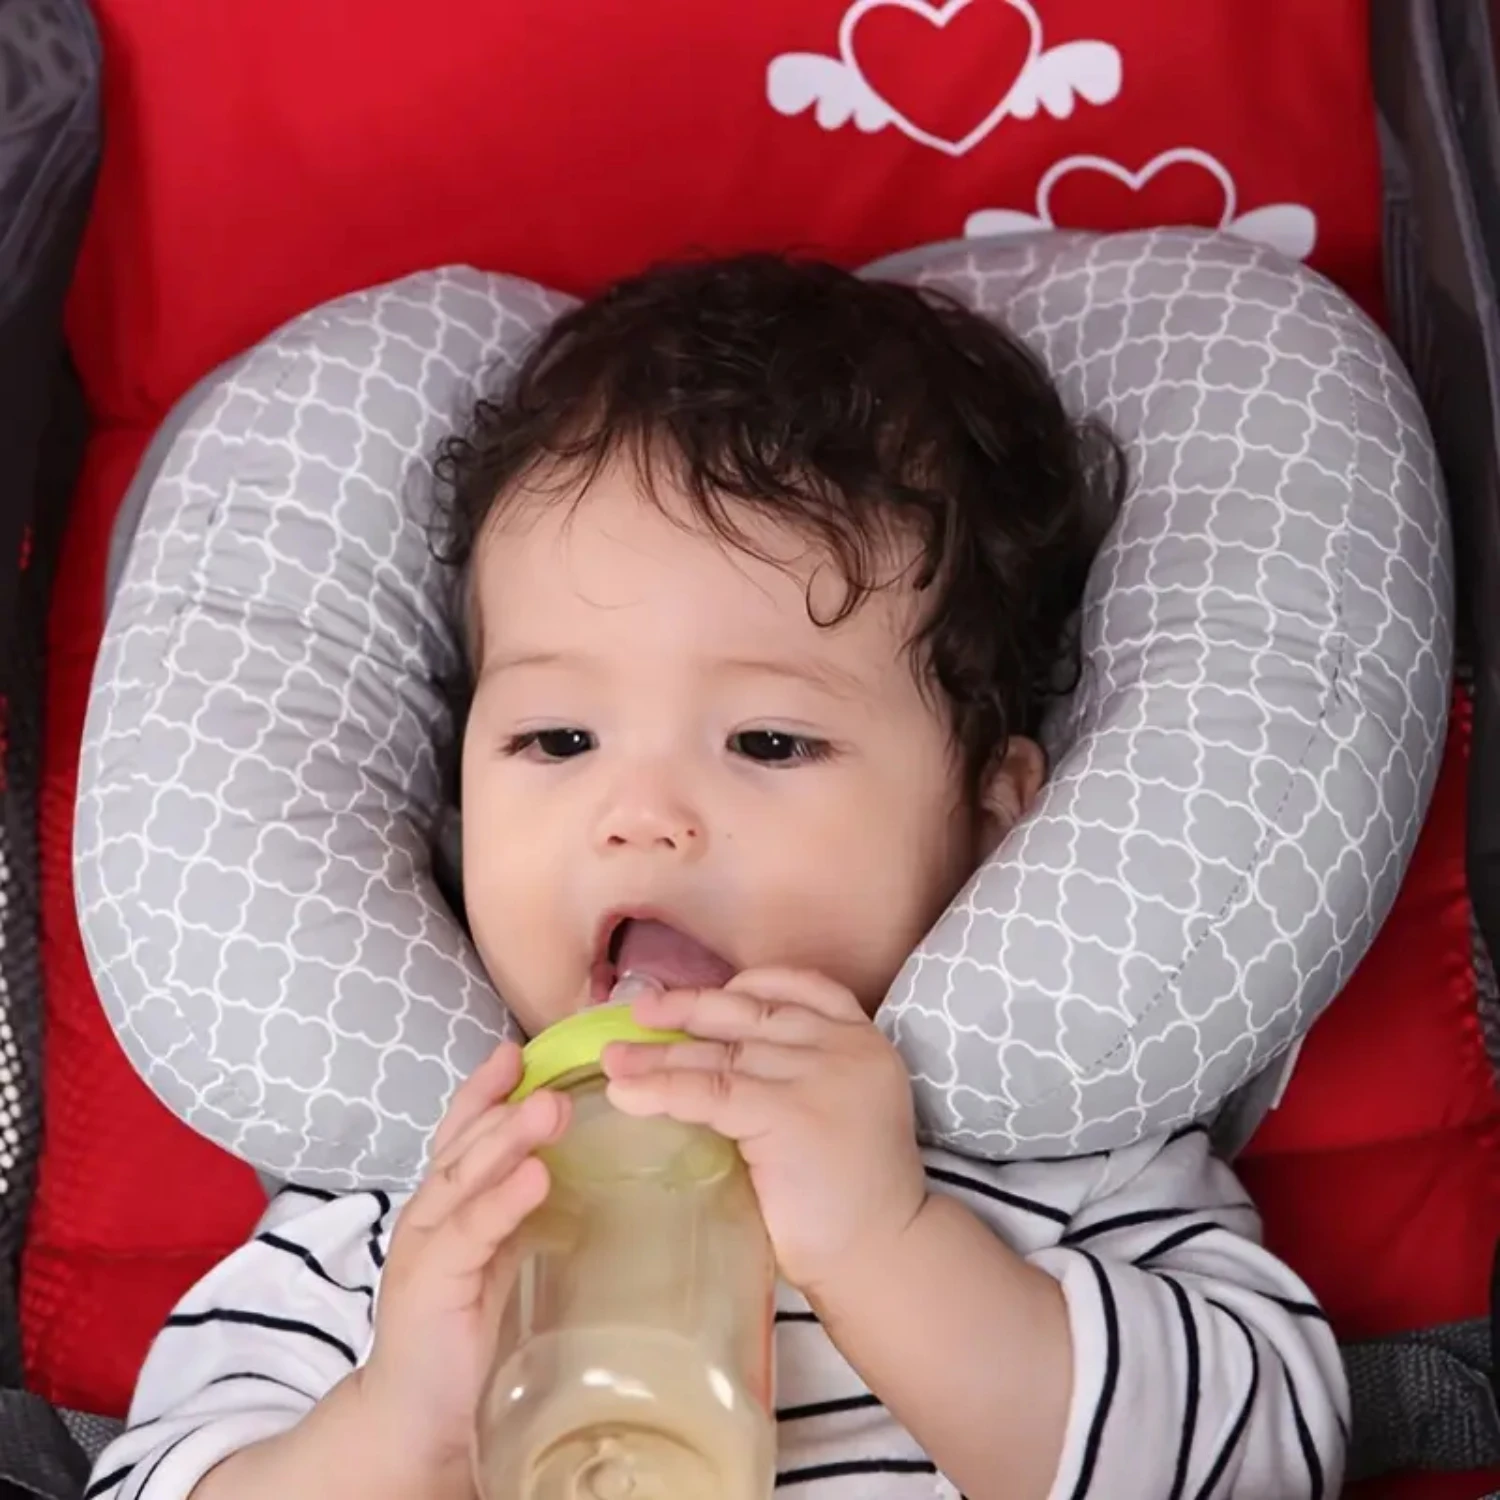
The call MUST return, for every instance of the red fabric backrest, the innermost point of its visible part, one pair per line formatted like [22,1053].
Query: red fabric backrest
[264,155]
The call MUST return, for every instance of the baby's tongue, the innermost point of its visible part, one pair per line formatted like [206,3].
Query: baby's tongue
[673,959]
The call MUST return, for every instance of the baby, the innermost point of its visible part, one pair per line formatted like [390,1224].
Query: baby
[768,574]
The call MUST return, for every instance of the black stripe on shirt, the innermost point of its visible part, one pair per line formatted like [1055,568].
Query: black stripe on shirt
[1175,1241]
[321,1194]
[285,1385]
[999,1195]
[864,1402]
[311,1261]
[814,1472]
[227,1380]
[1305,1440]
[791,1315]
[263,1320]
[1190,1392]
[1297,1309]
[1095,1439]
[1124,1221]
[1050,1161]
[383,1203]
[161,1458]
[1141,1216]
[107,1482]
[1242,1420]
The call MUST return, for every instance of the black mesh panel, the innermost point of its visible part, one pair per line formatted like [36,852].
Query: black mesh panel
[48,151]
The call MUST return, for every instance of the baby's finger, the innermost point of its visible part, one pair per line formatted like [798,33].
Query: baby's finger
[490,1083]
[730,1015]
[734,1104]
[754,1058]
[469,1238]
[498,1145]
[803,989]
[482,1124]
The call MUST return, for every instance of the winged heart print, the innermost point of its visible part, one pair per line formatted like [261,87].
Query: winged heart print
[890,51]
[861,85]
[1180,186]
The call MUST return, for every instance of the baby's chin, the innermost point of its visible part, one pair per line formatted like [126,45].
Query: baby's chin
[534,1015]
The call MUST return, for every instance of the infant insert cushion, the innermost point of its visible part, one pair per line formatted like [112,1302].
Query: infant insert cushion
[1237,781]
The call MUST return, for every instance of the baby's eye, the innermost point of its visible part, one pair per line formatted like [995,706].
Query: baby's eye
[776,747]
[551,744]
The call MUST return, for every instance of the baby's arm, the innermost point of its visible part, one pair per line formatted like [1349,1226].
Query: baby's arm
[279,1373]
[272,1335]
[1154,1350]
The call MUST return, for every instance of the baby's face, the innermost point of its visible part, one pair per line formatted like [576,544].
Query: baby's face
[660,732]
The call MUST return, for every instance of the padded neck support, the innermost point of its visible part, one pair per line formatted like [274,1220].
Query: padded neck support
[1238,783]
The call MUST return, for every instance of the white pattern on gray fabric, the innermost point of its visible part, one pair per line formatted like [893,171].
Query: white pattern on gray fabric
[1225,830]
[253,878]
[1240,777]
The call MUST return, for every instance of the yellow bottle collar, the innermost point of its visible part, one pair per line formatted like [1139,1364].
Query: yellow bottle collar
[576,1044]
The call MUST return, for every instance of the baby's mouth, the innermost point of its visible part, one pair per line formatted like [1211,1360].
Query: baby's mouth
[657,950]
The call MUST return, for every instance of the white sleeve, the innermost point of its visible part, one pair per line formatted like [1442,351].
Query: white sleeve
[1202,1366]
[254,1346]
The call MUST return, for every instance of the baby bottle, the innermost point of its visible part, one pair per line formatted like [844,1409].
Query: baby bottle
[634,1360]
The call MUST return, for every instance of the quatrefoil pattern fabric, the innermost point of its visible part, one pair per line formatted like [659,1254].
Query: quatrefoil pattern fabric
[1238,779]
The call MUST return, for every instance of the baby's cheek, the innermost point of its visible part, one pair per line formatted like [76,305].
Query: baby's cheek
[829,920]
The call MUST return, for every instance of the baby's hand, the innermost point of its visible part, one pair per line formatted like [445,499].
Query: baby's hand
[449,1270]
[787,1064]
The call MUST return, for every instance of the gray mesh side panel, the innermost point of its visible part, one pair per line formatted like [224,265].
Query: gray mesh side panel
[1468,53]
[38,1457]
[49,140]
[92,1434]
[1435,95]
[1423,1402]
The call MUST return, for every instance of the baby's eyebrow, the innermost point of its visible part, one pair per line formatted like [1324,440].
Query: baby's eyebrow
[510,661]
[827,675]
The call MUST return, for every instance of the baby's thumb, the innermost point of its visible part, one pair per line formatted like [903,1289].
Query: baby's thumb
[491,1083]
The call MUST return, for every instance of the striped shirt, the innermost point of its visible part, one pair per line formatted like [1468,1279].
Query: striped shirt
[1202,1366]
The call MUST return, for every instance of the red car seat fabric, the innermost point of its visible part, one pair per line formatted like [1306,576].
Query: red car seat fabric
[1379,1173]
[131,1206]
[264,155]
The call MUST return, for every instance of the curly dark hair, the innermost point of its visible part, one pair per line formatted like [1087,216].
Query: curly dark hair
[852,410]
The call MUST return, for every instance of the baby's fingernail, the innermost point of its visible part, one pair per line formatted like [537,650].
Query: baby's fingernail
[632,987]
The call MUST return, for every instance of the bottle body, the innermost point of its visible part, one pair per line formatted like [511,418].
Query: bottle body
[634,1360]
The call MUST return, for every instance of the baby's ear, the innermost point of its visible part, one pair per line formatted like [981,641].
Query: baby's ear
[1010,788]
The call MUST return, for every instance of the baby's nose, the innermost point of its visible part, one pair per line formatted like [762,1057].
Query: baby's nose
[676,838]
[651,825]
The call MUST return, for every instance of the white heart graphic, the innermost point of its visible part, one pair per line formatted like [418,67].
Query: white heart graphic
[939,16]
[1290,228]
[1135,181]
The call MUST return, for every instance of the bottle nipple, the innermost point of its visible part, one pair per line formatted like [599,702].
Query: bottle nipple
[632,986]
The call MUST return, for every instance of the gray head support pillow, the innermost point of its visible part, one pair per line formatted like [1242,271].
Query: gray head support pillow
[1238,780]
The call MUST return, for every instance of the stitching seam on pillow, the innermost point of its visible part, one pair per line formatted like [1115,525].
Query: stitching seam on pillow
[228,1094]
[229,1091]
[122,768]
[1338,646]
